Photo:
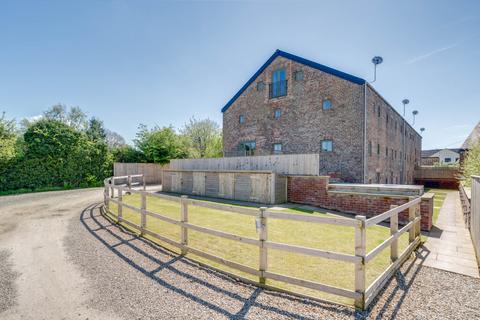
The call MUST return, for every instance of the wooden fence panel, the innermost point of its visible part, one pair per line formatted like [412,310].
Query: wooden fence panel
[226,183]
[294,164]
[198,183]
[151,171]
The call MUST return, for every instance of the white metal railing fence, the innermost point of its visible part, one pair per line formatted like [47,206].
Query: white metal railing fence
[362,295]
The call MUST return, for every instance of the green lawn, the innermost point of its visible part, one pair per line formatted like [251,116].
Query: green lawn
[326,237]
[440,195]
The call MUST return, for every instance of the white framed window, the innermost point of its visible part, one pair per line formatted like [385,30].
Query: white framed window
[277,113]
[327,104]
[298,75]
[277,148]
[327,146]
[260,86]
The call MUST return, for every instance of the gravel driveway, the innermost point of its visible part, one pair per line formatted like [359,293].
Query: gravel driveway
[66,261]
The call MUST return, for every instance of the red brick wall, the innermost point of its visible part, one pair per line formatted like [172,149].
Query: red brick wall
[312,190]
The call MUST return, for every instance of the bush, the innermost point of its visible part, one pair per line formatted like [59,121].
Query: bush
[57,155]
[472,164]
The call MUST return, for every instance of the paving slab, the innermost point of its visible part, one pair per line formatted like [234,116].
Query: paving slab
[449,245]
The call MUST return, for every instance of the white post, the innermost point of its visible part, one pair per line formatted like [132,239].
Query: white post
[120,196]
[184,219]
[360,251]
[262,235]
[143,216]
[419,223]
[112,183]
[393,230]
[107,197]
[412,233]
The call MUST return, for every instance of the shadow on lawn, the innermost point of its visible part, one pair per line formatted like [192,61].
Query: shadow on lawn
[102,227]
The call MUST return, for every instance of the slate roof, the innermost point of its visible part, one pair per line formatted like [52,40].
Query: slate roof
[315,65]
[473,137]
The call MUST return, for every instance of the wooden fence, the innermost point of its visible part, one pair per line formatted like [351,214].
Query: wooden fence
[474,221]
[289,164]
[255,186]
[151,171]
[362,295]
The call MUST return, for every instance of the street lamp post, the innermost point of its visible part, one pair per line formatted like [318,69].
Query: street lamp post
[414,113]
[405,102]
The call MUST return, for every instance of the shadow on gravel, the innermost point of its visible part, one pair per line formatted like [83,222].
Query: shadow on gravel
[388,302]
[96,224]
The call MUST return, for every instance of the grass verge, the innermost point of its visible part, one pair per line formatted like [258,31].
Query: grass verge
[440,195]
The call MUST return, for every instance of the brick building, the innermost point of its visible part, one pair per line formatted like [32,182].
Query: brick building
[293,105]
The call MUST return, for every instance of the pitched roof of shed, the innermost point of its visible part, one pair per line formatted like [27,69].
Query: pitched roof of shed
[472,138]
[279,53]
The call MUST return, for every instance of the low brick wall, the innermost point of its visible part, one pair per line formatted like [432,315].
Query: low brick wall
[314,190]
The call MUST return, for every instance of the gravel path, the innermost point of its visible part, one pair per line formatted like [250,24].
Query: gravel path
[8,291]
[136,279]
[61,259]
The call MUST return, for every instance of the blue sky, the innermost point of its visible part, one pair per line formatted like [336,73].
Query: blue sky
[153,62]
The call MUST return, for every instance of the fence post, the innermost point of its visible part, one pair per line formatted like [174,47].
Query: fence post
[262,235]
[418,226]
[144,184]
[112,183]
[143,208]
[120,196]
[393,230]
[129,181]
[412,233]
[107,197]
[184,219]
[360,251]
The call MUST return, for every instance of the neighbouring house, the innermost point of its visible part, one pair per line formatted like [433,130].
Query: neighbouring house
[441,156]
[472,138]
[293,105]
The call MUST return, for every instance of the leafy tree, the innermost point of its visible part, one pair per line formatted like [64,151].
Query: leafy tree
[57,154]
[8,143]
[77,118]
[204,138]
[74,117]
[114,140]
[127,154]
[95,130]
[472,163]
[160,145]
[57,112]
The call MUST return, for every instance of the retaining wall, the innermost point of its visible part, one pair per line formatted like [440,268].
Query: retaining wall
[369,200]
